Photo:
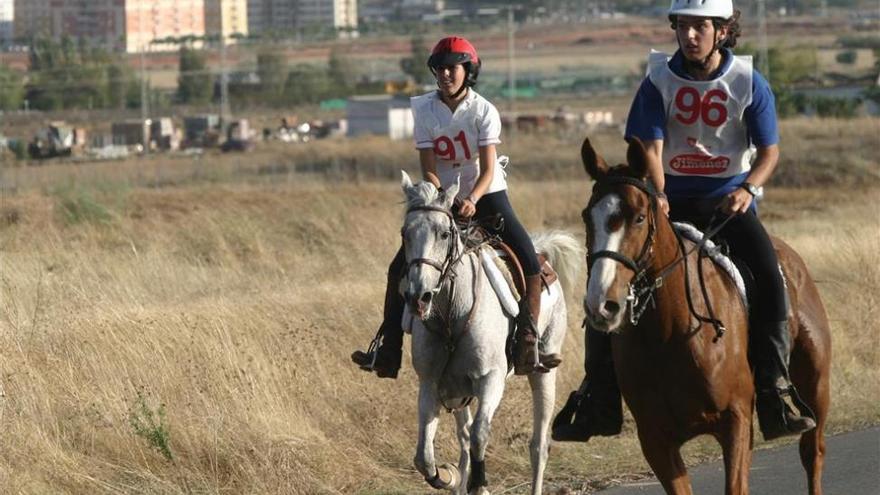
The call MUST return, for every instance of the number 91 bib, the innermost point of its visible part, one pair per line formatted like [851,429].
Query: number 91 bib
[705,131]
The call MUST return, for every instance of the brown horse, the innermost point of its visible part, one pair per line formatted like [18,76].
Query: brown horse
[681,374]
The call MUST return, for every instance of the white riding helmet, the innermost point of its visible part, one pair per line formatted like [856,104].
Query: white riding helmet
[702,8]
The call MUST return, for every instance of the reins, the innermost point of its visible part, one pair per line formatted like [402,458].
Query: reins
[642,287]
[454,255]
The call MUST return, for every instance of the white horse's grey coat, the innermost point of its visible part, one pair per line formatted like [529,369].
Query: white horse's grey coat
[458,347]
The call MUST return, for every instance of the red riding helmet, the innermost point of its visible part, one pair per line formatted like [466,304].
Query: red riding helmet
[452,51]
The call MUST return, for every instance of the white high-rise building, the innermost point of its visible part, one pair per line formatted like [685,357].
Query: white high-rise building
[7,8]
[226,18]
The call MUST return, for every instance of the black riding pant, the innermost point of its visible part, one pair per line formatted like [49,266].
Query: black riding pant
[747,241]
[511,231]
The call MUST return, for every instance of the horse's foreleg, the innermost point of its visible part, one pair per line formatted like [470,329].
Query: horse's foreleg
[463,420]
[429,409]
[543,387]
[736,446]
[664,457]
[489,392]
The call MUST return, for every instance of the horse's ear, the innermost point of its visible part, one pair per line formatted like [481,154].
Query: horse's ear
[451,192]
[405,182]
[409,190]
[593,163]
[637,157]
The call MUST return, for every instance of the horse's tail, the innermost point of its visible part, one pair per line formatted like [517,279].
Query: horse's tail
[564,252]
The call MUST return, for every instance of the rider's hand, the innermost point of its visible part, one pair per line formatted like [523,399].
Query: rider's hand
[737,202]
[467,208]
[663,204]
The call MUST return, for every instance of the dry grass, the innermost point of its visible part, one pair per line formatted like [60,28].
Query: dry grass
[222,305]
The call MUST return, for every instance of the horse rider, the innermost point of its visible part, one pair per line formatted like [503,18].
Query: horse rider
[708,121]
[456,131]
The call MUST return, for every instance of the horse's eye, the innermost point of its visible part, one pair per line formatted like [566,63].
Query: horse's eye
[640,218]
[444,235]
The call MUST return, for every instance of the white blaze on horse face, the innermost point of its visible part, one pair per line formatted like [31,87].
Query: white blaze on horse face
[604,270]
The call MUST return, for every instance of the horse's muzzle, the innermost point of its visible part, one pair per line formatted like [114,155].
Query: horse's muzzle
[607,317]
[420,305]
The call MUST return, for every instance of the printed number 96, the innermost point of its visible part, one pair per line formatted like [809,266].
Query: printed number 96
[691,107]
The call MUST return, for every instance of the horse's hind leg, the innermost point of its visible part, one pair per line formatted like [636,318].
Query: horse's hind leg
[809,373]
[543,398]
[463,420]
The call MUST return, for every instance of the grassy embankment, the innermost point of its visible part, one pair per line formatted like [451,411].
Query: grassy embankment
[179,326]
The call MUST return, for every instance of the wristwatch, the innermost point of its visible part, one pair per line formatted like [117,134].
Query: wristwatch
[751,188]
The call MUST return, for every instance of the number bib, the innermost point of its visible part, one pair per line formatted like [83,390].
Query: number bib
[705,131]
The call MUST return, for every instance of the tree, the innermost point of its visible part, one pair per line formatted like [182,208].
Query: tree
[787,66]
[416,65]
[341,74]
[194,84]
[272,70]
[12,95]
[306,84]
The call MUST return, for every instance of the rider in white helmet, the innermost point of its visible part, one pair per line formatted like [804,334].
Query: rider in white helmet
[708,120]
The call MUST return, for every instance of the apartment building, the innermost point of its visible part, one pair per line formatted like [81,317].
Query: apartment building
[226,18]
[129,25]
[287,16]
[7,8]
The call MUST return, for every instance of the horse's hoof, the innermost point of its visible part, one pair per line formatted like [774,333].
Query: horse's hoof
[447,478]
[480,491]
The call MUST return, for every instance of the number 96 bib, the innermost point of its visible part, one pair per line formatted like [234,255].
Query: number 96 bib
[705,131]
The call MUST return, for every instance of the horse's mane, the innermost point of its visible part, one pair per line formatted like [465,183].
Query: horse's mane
[422,194]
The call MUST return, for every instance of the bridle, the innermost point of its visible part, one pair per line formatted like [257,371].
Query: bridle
[452,251]
[454,254]
[642,286]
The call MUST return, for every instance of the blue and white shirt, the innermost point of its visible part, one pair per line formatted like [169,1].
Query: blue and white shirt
[709,128]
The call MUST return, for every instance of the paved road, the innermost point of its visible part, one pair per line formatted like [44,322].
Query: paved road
[852,467]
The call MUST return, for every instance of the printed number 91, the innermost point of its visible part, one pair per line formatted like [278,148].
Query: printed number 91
[691,107]
[445,148]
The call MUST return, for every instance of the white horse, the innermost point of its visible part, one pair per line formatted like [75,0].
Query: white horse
[459,336]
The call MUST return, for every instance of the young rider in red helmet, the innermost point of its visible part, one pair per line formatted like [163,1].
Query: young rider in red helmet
[456,131]
[708,120]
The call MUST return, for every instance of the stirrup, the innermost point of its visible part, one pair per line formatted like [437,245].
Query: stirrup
[367,360]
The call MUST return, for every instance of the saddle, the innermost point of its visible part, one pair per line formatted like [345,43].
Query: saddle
[548,274]
[478,234]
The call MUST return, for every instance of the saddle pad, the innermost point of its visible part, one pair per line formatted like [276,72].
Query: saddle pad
[694,235]
[499,281]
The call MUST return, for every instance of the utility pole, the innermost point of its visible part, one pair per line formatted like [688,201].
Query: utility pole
[224,85]
[764,66]
[145,104]
[511,67]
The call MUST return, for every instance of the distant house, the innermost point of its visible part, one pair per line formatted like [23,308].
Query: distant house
[387,115]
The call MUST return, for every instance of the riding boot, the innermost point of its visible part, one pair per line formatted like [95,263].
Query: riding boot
[595,409]
[386,350]
[781,412]
[527,357]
